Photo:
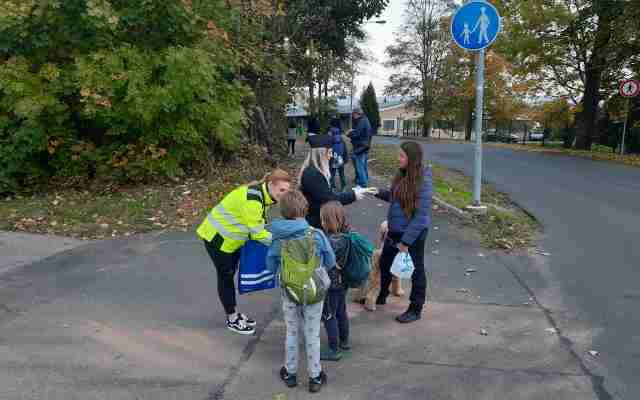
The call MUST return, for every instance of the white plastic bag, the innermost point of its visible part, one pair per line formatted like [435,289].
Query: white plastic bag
[402,266]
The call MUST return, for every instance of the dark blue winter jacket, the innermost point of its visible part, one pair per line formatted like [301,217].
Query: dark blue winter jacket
[360,135]
[340,152]
[399,224]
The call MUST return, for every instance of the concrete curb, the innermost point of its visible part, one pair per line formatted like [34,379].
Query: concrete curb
[455,210]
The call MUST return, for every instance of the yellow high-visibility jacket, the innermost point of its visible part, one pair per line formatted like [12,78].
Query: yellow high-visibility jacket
[240,216]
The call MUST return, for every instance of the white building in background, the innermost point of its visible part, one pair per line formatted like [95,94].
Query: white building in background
[398,117]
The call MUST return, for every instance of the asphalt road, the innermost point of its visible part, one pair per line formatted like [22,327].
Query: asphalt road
[590,213]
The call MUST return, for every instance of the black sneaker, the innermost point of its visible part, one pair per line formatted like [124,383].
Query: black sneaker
[408,317]
[291,380]
[248,321]
[315,384]
[239,326]
[346,346]
[381,301]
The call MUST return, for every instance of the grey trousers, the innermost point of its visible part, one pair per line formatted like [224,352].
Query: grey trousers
[308,318]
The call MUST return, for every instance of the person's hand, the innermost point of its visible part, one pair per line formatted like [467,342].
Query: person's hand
[403,248]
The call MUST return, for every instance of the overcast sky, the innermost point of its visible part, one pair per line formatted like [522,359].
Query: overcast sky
[381,36]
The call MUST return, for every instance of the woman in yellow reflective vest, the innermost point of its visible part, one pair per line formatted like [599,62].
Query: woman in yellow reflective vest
[240,216]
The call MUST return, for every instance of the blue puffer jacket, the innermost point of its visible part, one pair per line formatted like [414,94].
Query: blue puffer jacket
[410,228]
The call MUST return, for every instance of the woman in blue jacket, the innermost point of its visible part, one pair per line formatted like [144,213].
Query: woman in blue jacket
[409,219]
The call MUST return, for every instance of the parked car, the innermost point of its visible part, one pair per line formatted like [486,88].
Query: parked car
[536,135]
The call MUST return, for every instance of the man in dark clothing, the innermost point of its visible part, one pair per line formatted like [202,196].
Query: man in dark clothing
[360,140]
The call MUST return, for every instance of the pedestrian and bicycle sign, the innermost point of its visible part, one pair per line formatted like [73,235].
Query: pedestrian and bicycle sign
[475,25]
[629,88]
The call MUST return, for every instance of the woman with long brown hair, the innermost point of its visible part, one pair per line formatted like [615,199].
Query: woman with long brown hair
[409,219]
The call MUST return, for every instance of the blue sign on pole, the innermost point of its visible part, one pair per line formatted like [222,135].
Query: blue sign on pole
[475,25]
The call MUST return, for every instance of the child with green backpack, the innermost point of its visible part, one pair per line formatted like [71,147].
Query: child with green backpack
[302,257]
[353,258]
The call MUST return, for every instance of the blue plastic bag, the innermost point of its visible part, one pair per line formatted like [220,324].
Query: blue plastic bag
[254,275]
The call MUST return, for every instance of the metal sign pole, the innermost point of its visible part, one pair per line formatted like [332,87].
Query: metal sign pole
[624,126]
[477,170]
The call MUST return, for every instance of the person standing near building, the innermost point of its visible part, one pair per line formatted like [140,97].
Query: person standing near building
[340,155]
[359,136]
[291,138]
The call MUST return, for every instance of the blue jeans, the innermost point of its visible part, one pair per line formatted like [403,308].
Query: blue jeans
[302,321]
[360,162]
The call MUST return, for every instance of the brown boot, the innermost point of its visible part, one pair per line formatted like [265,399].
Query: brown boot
[396,287]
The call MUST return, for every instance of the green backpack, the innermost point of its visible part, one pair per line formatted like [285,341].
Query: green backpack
[302,277]
[358,263]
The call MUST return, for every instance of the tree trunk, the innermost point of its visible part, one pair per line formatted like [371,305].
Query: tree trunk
[586,120]
[426,123]
[312,100]
[263,129]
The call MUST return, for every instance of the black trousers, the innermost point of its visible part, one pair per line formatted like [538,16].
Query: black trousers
[291,145]
[335,318]
[418,279]
[226,265]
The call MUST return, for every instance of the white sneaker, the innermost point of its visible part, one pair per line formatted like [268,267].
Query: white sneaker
[248,321]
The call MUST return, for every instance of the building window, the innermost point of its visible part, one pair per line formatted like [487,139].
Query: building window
[389,125]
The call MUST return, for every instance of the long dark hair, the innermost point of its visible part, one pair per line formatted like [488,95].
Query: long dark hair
[408,181]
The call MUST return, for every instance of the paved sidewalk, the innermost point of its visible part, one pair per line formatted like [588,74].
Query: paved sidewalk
[139,318]
[17,249]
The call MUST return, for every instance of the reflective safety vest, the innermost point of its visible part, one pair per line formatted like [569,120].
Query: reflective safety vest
[240,216]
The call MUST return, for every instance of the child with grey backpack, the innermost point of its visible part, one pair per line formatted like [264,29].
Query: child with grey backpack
[301,256]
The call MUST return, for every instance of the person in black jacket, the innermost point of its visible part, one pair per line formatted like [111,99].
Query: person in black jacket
[360,140]
[314,178]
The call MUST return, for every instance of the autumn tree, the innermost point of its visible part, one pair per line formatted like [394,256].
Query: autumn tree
[419,56]
[320,34]
[573,47]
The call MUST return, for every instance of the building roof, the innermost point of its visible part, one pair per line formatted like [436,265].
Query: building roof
[385,103]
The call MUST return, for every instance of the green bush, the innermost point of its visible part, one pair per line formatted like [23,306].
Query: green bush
[130,90]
